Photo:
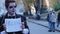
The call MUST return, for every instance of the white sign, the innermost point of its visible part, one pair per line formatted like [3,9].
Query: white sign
[13,25]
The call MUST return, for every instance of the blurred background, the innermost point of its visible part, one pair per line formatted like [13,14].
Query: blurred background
[36,12]
[33,7]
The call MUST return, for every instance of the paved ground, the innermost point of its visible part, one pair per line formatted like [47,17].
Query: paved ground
[37,29]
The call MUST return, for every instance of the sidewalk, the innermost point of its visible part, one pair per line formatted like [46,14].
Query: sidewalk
[43,23]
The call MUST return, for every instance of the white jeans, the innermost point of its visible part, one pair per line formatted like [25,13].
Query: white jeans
[25,31]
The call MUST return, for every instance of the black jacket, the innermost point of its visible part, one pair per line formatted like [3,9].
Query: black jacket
[2,20]
[58,17]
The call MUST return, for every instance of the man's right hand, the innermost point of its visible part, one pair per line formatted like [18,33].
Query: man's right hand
[4,26]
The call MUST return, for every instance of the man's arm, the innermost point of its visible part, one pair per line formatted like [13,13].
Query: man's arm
[1,24]
[2,21]
[23,19]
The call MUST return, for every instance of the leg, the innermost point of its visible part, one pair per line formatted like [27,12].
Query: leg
[19,32]
[53,26]
[50,29]
[58,23]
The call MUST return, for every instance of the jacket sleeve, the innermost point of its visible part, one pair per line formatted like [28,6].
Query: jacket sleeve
[25,22]
[1,20]
[48,17]
[58,17]
[23,19]
[1,26]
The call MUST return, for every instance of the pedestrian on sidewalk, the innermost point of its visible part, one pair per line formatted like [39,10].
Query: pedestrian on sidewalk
[51,19]
[58,19]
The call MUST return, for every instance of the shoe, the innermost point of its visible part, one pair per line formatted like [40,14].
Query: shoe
[49,30]
[57,25]
[53,31]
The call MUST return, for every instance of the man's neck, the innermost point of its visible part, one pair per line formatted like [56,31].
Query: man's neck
[11,14]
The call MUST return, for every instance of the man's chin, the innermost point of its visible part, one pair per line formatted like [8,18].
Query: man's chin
[13,11]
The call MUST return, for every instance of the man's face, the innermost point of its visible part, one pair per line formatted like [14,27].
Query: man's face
[12,8]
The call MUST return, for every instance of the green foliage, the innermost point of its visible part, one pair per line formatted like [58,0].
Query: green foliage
[56,5]
[31,1]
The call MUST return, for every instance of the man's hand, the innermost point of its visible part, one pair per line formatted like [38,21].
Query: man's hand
[23,26]
[4,26]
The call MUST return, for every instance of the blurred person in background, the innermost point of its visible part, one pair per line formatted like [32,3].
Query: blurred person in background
[58,19]
[51,19]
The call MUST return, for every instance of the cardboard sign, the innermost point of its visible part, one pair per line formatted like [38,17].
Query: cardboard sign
[13,25]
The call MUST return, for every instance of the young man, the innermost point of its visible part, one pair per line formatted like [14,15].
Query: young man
[11,14]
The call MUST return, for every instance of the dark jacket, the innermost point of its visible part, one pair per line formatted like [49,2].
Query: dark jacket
[58,17]
[23,19]
[48,17]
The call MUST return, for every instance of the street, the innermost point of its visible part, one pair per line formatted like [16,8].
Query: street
[37,29]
